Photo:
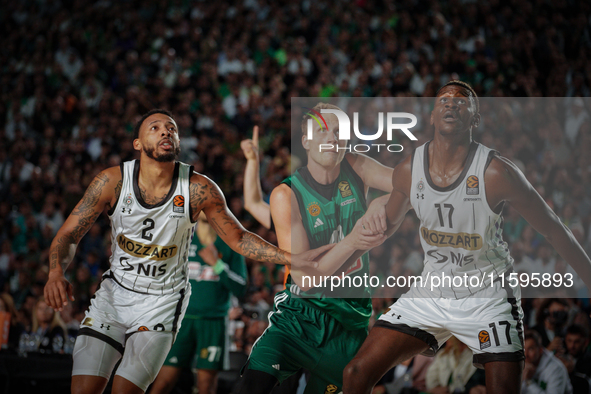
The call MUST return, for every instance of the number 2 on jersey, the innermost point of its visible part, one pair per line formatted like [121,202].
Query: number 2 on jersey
[145,232]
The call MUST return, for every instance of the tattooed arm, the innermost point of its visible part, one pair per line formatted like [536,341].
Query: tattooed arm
[206,196]
[102,193]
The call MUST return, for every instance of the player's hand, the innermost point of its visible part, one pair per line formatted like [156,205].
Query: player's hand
[307,259]
[209,254]
[250,147]
[374,220]
[58,290]
[362,238]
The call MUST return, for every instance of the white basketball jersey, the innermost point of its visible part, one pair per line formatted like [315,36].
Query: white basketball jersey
[150,243]
[460,234]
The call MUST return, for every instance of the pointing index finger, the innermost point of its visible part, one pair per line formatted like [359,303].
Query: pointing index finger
[255,136]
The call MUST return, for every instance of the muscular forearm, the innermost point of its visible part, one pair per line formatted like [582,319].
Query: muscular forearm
[253,194]
[252,186]
[254,247]
[62,251]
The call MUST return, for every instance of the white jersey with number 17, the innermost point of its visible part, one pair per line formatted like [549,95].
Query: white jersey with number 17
[150,243]
[460,233]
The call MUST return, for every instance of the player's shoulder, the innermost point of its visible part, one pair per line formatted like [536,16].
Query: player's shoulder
[111,174]
[196,179]
[281,194]
[280,203]
[499,167]
[405,166]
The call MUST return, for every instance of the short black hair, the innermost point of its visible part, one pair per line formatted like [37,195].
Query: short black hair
[577,329]
[136,129]
[465,85]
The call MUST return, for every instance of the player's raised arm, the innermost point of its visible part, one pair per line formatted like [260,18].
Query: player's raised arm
[206,196]
[253,192]
[102,192]
[505,182]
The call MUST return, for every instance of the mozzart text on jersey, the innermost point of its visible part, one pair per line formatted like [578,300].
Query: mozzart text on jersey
[152,252]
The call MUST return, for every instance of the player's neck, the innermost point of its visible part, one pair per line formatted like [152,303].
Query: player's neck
[155,175]
[448,151]
[323,175]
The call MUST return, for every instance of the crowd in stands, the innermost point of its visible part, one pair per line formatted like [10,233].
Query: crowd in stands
[76,76]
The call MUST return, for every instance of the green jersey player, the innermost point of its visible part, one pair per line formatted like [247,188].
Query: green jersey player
[322,203]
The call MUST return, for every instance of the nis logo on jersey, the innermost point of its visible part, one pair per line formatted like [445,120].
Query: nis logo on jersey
[152,252]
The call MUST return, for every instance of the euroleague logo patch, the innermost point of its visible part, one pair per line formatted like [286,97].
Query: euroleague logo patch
[178,204]
[314,209]
[143,328]
[330,389]
[472,185]
[345,189]
[484,339]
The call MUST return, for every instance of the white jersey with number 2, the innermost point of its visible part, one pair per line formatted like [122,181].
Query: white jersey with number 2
[150,243]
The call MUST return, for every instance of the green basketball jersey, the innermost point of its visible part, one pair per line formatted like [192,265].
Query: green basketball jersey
[329,221]
[210,291]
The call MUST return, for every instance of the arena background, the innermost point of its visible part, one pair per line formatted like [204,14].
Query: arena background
[75,76]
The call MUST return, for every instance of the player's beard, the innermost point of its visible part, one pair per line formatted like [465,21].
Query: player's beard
[165,157]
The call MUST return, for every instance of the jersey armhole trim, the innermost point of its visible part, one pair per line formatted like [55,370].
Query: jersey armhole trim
[191,170]
[111,211]
[491,155]
[300,201]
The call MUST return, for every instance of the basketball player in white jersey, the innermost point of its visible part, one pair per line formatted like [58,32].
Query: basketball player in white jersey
[457,188]
[153,204]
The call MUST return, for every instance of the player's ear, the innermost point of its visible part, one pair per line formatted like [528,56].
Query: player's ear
[431,118]
[305,142]
[137,145]
[476,120]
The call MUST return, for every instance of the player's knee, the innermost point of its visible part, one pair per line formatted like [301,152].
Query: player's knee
[355,373]
[350,372]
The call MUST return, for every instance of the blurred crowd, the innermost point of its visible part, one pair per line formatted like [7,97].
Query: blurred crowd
[76,76]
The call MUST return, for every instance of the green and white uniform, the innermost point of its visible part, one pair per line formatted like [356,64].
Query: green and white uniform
[202,342]
[309,329]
